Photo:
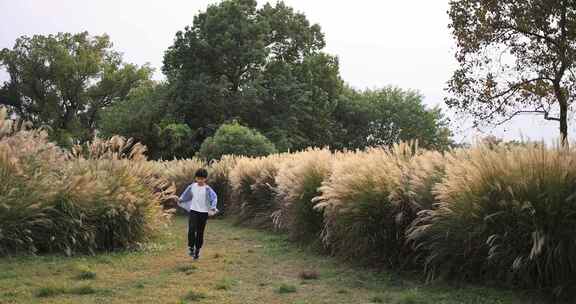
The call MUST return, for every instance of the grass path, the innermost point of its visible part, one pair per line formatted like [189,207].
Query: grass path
[238,265]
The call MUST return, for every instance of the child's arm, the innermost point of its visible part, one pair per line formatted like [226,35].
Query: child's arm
[213,198]
[185,196]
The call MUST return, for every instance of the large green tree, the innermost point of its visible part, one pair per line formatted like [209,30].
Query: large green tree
[262,66]
[387,116]
[515,56]
[65,80]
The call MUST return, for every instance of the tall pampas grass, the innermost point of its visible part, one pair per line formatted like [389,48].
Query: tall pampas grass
[219,179]
[102,196]
[253,182]
[505,214]
[180,172]
[362,221]
[298,182]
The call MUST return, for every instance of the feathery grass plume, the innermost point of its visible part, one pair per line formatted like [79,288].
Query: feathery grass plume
[253,182]
[179,174]
[20,205]
[219,179]
[426,171]
[506,214]
[122,210]
[361,219]
[128,153]
[29,178]
[414,192]
[116,147]
[122,193]
[298,182]
[52,202]
[181,171]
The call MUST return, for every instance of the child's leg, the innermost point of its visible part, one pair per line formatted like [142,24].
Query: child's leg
[201,224]
[192,228]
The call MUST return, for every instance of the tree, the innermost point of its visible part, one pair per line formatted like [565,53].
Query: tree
[390,115]
[143,116]
[234,139]
[65,80]
[515,56]
[263,67]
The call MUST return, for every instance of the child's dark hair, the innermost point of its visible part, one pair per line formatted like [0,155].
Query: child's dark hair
[201,173]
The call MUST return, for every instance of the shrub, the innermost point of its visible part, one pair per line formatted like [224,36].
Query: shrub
[234,139]
[298,182]
[505,215]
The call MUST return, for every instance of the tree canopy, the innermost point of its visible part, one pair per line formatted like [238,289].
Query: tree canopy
[237,64]
[390,115]
[515,57]
[64,80]
[261,66]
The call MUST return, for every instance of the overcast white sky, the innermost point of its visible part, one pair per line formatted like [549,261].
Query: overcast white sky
[379,43]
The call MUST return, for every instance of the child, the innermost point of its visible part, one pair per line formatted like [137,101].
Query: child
[200,201]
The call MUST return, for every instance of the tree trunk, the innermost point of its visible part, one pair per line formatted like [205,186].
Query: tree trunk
[563,103]
[563,123]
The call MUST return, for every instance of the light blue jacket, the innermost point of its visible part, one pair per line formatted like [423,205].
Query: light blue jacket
[185,200]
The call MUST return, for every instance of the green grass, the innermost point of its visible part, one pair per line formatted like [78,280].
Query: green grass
[193,296]
[239,265]
[86,275]
[186,269]
[82,290]
[285,288]
[226,284]
[51,291]
[8,274]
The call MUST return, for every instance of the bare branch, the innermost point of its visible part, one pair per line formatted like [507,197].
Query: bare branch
[529,33]
[517,86]
[546,116]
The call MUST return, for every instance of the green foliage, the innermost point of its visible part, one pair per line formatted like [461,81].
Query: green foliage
[143,115]
[388,116]
[65,80]
[46,292]
[175,140]
[263,66]
[53,291]
[82,290]
[86,275]
[286,288]
[234,139]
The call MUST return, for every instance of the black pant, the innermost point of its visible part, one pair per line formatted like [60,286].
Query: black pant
[196,224]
